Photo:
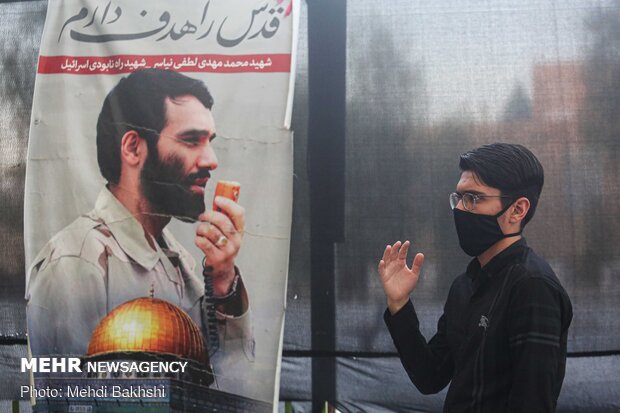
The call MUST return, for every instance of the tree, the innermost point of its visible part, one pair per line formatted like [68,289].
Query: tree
[519,106]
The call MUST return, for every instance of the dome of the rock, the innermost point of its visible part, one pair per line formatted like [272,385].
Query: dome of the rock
[148,325]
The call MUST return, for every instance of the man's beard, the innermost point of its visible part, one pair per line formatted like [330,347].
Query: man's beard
[167,188]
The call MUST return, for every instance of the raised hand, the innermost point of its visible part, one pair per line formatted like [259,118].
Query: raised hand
[399,280]
[219,236]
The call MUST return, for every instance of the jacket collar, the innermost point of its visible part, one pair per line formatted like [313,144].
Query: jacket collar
[127,230]
[499,262]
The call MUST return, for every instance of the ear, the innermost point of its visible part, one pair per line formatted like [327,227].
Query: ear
[133,148]
[519,210]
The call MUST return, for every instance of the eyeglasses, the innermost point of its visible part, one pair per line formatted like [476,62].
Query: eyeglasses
[469,199]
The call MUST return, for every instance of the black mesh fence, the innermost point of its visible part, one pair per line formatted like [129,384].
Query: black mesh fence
[425,81]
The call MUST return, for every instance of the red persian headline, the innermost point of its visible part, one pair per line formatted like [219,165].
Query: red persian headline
[112,65]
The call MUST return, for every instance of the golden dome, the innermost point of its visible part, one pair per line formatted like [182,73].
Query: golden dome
[148,325]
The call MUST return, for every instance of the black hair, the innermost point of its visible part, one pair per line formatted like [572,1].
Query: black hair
[137,103]
[513,169]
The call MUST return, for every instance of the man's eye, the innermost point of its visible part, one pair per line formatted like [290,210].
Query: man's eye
[192,141]
[197,140]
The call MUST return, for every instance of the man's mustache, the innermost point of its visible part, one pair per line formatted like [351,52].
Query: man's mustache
[198,175]
[185,183]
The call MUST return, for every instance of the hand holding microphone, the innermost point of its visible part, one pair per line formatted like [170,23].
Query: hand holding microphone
[219,236]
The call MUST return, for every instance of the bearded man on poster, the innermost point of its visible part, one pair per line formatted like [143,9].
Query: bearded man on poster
[154,148]
[501,341]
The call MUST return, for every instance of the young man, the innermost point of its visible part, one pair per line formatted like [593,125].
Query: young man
[501,341]
[154,136]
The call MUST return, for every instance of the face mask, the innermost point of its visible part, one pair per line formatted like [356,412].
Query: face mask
[477,232]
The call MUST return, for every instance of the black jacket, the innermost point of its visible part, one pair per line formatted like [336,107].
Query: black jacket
[501,340]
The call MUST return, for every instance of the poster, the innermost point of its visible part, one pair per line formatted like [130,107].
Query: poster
[139,109]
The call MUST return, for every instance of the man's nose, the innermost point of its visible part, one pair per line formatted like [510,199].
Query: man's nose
[207,158]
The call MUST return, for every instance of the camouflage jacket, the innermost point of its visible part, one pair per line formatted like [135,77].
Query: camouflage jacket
[104,259]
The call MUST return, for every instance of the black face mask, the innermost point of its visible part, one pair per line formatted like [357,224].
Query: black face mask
[477,232]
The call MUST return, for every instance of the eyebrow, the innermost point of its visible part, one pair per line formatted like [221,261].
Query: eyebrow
[473,192]
[193,133]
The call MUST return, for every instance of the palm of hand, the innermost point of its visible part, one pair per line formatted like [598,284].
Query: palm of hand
[397,278]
